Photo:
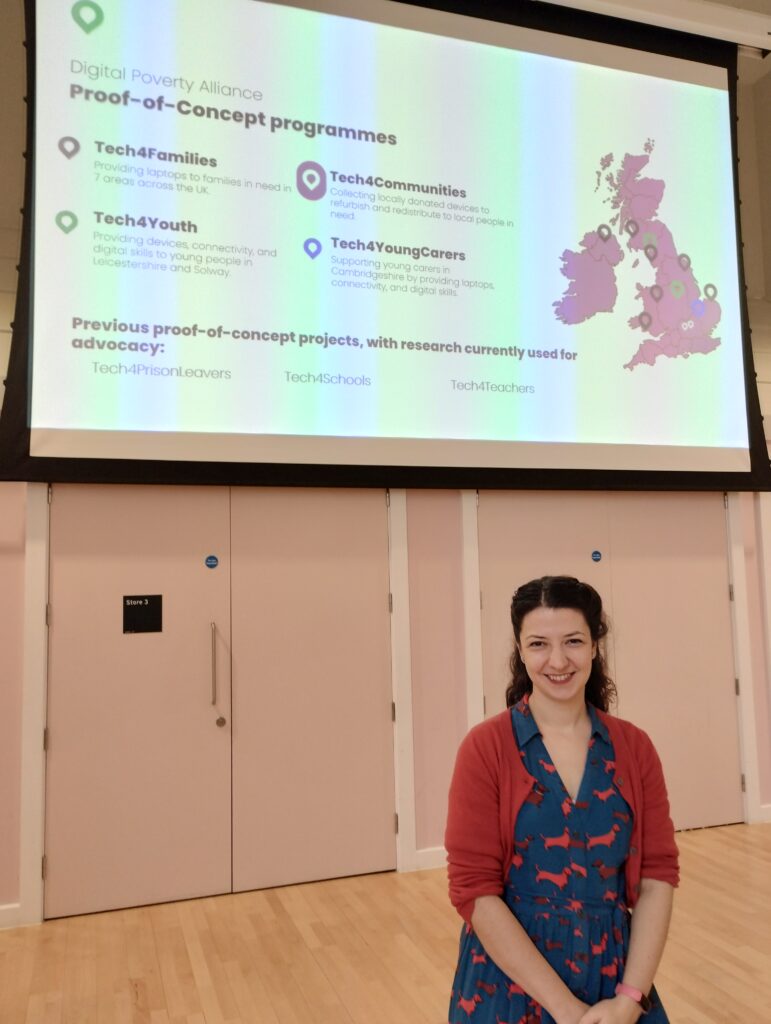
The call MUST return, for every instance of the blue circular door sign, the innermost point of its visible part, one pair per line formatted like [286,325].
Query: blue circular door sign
[212,561]
[596,556]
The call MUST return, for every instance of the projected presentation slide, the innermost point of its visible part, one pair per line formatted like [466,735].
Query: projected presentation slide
[268,234]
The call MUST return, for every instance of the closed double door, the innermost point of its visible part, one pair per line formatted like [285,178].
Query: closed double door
[660,563]
[239,735]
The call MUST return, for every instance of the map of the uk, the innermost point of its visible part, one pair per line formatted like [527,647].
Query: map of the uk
[678,317]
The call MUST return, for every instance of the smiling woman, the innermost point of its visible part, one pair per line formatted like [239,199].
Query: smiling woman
[570,614]
[557,652]
[558,825]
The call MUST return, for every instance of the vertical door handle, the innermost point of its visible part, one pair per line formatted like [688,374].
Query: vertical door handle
[214,662]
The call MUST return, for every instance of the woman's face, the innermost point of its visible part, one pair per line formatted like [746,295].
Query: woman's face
[556,648]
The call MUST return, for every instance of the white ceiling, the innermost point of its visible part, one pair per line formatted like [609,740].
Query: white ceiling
[759,6]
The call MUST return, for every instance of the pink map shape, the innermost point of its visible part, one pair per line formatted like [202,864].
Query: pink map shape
[638,198]
[592,286]
[678,317]
[671,343]
[676,328]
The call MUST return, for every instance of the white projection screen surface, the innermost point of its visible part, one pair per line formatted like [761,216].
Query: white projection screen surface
[379,235]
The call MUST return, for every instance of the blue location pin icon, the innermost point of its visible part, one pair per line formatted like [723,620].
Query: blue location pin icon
[312,247]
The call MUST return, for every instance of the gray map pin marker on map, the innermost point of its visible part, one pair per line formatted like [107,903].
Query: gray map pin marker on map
[651,252]
[710,291]
[684,260]
[631,227]
[69,146]
[604,232]
[645,320]
[656,292]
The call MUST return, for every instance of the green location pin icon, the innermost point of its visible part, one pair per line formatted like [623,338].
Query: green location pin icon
[66,221]
[87,15]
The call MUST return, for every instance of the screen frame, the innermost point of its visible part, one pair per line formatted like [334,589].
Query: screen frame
[16,462]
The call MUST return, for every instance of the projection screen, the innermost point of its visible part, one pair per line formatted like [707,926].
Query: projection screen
[374,234]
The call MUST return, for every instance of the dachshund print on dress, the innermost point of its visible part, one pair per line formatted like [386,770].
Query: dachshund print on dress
[565,884]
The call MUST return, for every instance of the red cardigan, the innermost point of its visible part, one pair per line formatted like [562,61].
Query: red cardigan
[490,784]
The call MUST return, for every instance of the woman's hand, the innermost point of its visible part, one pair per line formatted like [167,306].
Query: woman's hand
[621,1010]
[575,1014]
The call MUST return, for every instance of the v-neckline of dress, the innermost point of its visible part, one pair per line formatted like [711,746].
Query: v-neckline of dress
[574,800]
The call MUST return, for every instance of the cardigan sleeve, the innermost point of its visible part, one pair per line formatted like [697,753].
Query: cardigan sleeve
[475,852]
[659,850]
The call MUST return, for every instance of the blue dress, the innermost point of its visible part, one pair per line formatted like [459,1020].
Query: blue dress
[566,887]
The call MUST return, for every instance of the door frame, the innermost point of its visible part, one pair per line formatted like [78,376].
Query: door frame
[740,508]
[33,707]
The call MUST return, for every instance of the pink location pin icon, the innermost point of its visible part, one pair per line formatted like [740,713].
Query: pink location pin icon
[645,320]
[69,146]
[311,180]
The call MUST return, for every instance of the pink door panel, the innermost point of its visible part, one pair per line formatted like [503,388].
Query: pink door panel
[313,778]
[663,576]
[674,655]
[138,771]
[523,535]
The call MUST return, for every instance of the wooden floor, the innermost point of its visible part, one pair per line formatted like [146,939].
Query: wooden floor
[379,949]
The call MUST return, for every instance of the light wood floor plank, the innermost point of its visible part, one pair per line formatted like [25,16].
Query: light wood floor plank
[377,949]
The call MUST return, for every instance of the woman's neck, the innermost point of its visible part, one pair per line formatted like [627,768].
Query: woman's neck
[559,717]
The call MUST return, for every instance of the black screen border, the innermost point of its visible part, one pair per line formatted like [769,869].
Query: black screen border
[17,464]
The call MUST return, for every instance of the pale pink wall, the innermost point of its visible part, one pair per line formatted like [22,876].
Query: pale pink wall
[12,528]
[439,708]
[435,550]
[750,522]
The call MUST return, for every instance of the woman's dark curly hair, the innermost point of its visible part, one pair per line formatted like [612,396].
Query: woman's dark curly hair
[561,592]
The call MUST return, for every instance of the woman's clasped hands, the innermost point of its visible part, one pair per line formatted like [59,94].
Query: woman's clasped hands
[620,1010]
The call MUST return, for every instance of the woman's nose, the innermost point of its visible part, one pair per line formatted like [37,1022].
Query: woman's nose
[558,657]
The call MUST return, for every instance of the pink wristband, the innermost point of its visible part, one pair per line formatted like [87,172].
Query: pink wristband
[634,994]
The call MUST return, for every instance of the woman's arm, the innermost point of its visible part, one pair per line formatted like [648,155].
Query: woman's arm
[650,923]
[513,951]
